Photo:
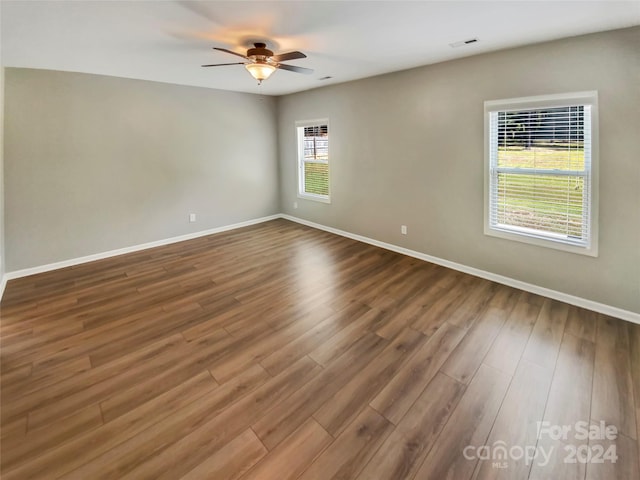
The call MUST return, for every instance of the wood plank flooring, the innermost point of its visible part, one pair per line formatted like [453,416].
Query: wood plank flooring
[282,352]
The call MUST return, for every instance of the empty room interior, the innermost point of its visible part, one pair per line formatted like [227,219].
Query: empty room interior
[358,240]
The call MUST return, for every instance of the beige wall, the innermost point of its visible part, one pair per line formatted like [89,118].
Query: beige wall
[2,249]
[2,254]
[95,163]
[407,148]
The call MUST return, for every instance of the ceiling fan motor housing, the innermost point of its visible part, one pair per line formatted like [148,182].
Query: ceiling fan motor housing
[259,52]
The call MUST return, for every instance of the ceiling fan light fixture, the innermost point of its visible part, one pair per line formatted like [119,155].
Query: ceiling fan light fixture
[260,71]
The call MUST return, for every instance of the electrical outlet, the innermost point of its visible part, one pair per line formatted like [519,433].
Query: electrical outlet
[403,229]
[295,204]
[192,217]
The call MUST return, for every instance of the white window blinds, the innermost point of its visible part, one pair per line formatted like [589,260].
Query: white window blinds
[313,159]
[540,172]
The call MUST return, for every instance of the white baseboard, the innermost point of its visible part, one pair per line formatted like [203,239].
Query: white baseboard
[511,282]
[135,248]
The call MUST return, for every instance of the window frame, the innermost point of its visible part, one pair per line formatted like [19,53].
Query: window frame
[537,102]
[301,162]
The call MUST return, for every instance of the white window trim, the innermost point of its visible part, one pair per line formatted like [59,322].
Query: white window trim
[546,101]
[300,164]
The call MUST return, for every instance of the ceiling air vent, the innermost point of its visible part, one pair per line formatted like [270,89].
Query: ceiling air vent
[463,43]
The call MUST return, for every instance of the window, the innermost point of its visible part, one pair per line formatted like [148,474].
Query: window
[313,160]
[541,171]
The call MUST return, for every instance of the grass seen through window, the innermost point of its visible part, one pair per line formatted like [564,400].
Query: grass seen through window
[316,178]
[547,202]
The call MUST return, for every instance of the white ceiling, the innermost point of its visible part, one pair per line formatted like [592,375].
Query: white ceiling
[167,41]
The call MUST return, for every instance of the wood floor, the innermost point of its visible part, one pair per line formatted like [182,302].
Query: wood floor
[281,352]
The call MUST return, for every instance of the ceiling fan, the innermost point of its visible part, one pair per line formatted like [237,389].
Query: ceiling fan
[261,62]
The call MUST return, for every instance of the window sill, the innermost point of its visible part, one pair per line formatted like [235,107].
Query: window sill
[315,198]
[591,251]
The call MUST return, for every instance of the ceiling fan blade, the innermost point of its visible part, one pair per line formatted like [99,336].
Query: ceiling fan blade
[291,68]
[223,64]
[231,52]
[283,57]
